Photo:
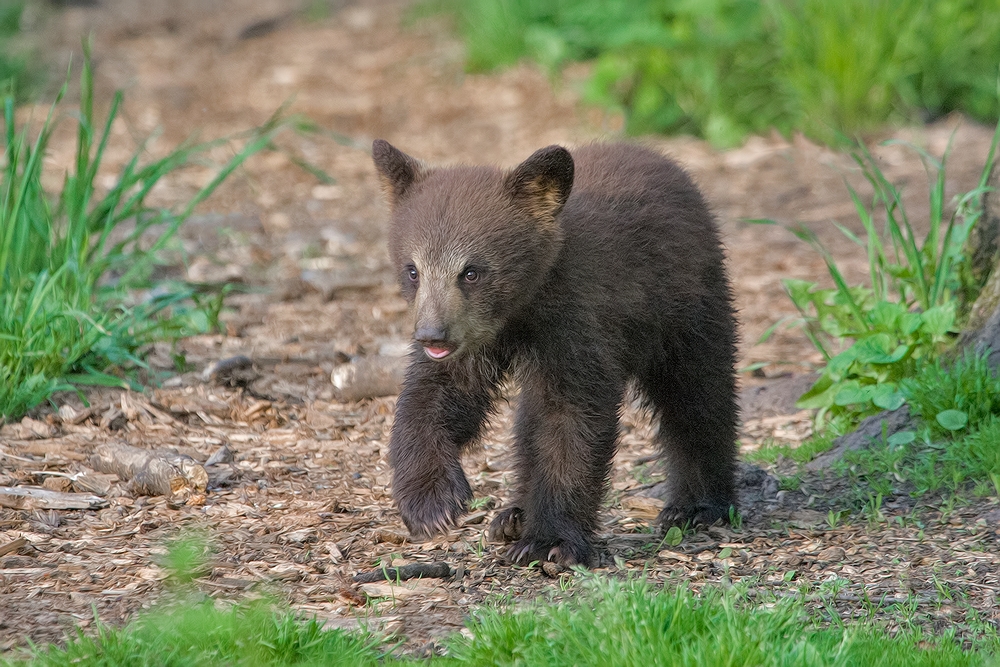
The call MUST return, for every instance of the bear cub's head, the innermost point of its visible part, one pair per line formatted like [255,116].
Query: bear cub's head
[472,245]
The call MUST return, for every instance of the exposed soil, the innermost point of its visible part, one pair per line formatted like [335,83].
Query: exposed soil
[305,504]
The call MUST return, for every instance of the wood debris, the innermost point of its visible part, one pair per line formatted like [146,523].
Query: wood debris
[12,546]
[152,472]
[38,498]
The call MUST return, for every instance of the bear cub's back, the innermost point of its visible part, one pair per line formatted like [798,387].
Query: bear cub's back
[636,225]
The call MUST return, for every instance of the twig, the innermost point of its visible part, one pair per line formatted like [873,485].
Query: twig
[13,546]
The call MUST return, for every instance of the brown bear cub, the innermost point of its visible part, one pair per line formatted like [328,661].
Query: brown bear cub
[575,274]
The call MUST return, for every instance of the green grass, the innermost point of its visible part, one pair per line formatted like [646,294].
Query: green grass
[805,451]
[724,68]
[190,633]
[602,622]
[72,262]
[20,73]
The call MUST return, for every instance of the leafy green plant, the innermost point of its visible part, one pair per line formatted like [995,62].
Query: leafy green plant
[724,68]
[71,261]
[907,314]
[840,62]
[693,67]
[957,447]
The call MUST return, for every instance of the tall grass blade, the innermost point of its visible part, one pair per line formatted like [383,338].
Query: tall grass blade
[63,322]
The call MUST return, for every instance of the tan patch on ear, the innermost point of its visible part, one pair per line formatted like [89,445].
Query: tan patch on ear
[543,199]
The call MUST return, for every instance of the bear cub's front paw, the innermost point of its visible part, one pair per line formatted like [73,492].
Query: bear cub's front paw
[566,553]
[432,506]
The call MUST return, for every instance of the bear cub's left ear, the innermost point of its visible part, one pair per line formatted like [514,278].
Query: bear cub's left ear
[542,183]
[397,170]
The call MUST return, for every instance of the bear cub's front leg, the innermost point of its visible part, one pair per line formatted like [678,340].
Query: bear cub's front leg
[434,422]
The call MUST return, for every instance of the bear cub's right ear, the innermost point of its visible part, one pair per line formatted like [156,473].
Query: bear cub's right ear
[397,170]
[542,183]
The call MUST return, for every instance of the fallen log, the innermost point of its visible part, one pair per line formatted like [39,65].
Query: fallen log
[152,472]
[369,377]
[37,498]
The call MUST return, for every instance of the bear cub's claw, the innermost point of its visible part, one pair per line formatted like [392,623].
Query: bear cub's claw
[705,513]
[507,526]
[562,552]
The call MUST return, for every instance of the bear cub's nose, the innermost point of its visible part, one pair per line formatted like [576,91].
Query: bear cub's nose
[431,335]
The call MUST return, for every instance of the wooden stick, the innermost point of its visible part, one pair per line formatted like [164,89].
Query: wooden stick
[37,498]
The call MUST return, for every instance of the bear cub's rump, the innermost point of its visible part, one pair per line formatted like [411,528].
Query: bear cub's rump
[576,274]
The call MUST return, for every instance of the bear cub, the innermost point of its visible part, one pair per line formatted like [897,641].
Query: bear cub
[577,275]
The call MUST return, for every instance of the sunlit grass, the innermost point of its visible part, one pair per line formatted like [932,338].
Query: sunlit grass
[602,622]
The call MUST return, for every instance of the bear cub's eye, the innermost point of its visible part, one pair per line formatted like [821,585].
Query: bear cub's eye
[470,275]
[411,273]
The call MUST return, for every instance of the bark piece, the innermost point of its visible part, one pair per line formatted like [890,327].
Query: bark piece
[152,472]
[235,371]
[37,498]
[93,482]
[29,429]
[330,284]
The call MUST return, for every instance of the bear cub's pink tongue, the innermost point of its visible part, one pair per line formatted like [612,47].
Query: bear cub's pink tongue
[437,352]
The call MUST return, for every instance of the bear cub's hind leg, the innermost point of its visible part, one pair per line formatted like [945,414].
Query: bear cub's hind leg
[564,453]
[698,416]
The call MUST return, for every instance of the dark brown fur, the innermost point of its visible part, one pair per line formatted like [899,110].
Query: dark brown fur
[576,275]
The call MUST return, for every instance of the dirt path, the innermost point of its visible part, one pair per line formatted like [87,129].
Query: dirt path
[305,505]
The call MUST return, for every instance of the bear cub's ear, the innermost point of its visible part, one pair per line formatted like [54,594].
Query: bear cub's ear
[542,183]
[397,170]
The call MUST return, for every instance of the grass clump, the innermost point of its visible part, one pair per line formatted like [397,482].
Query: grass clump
[722,69]
[957,447]
[638,626]
[19,71]
[193,633]
[71,261]
[769,451]
[955,396]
